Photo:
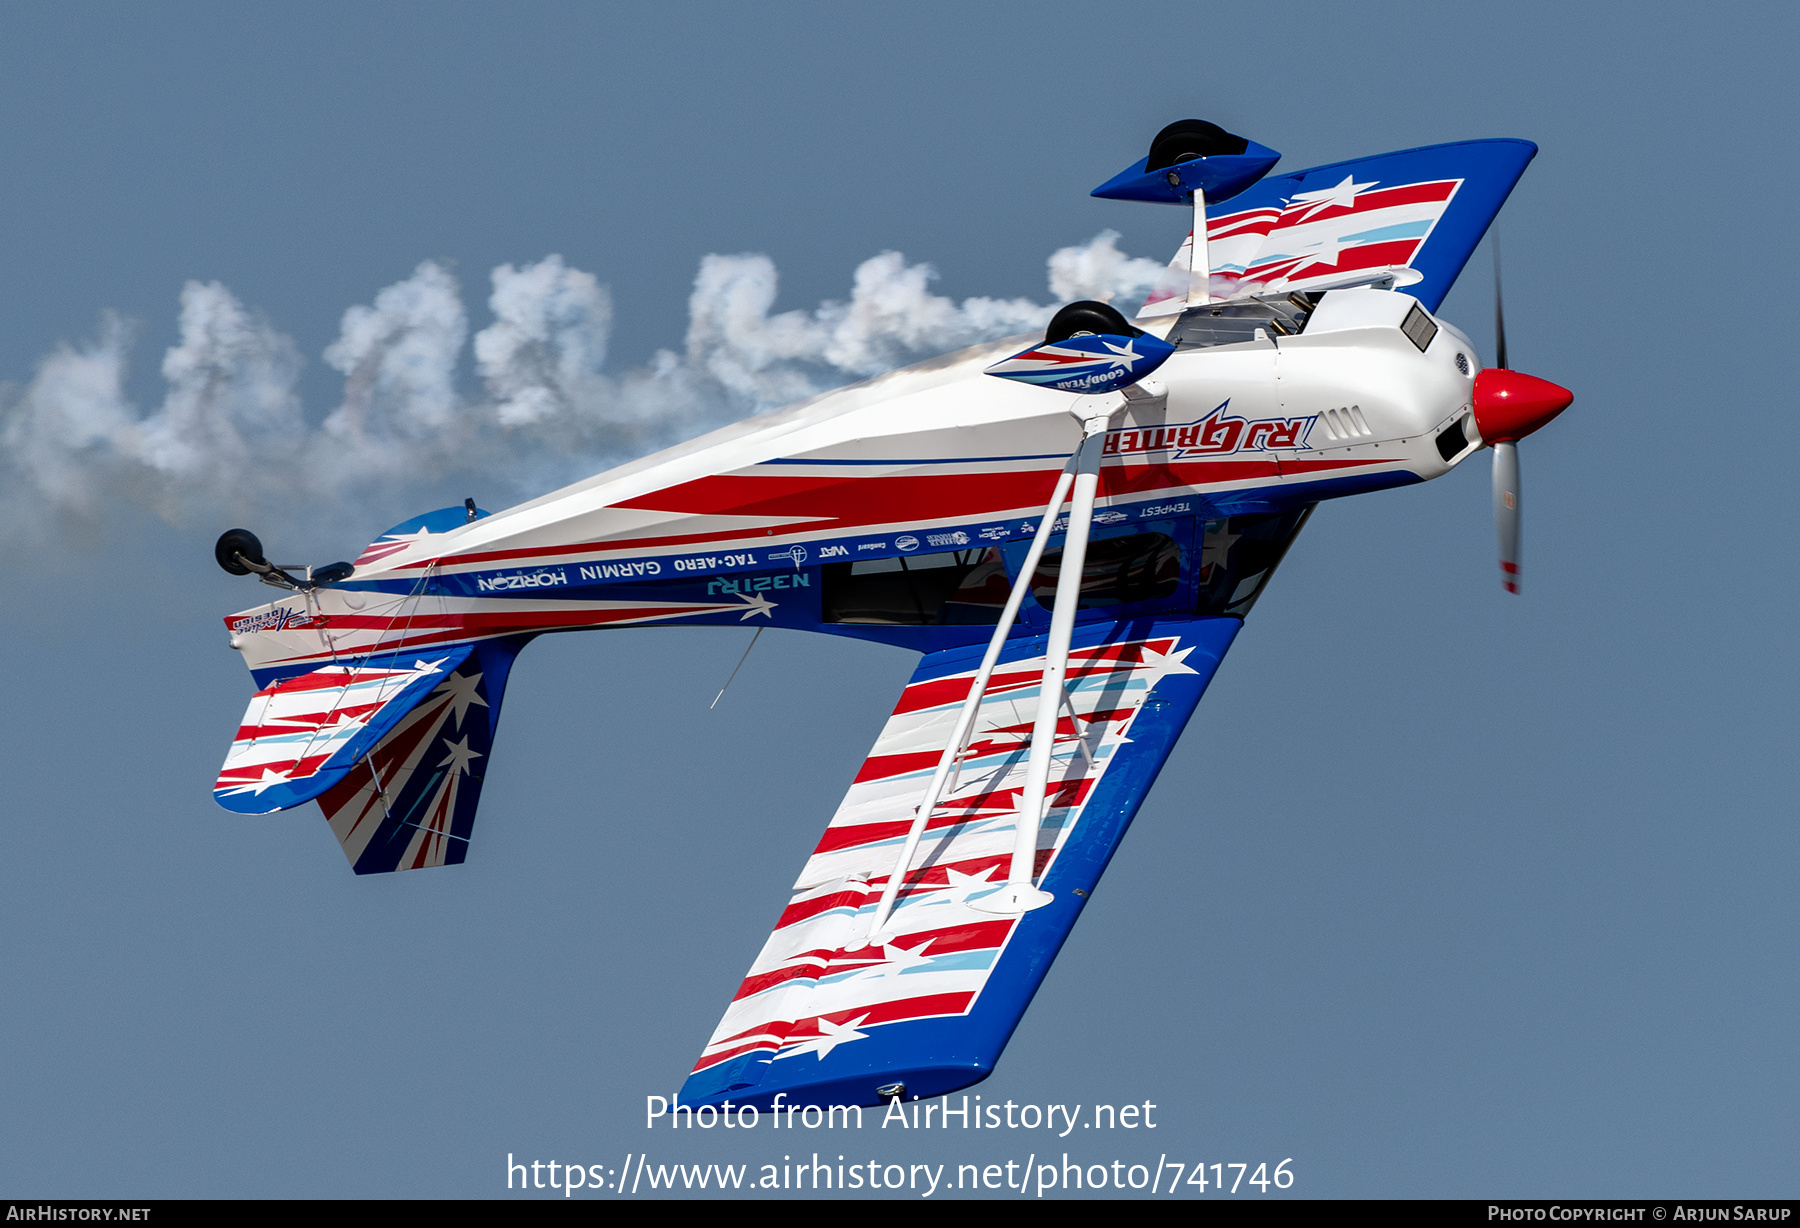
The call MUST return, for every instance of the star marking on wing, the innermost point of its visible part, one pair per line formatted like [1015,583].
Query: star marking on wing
[830,1036]
[1344,195]
[1326,253]
[961,886]
[460,755]
[1160,665]
[461,689]
[901,959]
[756,603]
[270,778]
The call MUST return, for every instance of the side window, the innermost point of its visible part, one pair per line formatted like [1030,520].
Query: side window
[1238,554]
[957,587]
[1117,571]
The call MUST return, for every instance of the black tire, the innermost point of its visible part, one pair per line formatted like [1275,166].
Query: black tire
[234,542]
[1186,139]
[1087,316]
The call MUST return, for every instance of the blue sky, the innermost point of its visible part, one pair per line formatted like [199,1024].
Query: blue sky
[1443,892]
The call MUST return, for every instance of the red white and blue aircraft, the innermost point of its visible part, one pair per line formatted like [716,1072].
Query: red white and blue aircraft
[1293,357]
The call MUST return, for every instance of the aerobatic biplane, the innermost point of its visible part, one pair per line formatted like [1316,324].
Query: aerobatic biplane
[1070,529]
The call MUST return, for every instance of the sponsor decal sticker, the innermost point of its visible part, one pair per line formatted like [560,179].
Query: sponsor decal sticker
[271,620]
[537,579]
[611,571]
[1217,434]
[712,562]
[758,584]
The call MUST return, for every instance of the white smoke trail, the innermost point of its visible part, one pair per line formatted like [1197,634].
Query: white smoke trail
[231,408]
[1099,270]
[230,437]
[64,433]
[74,445]
[766,360]
[399,362]
[542,356]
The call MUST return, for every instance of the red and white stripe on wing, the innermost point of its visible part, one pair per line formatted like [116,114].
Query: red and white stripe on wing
[1328,235]
[1314,237]
[808,991]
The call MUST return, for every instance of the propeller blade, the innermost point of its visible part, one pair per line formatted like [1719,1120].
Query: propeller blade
[1506,511]
[1499,311]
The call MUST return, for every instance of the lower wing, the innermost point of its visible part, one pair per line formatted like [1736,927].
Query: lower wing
[823,1017]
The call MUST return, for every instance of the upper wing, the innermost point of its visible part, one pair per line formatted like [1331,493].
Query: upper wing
[826,1020]
[1423,209]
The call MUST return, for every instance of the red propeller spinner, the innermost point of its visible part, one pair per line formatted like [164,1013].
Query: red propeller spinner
[1509,405]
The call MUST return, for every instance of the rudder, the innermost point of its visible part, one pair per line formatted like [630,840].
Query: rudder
[409,804]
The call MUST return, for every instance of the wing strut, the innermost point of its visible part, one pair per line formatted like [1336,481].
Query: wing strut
[1199,263]
[951,759]
[1082,472]
[1018,895]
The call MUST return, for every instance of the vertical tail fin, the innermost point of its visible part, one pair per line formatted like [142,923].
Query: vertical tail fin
[409,803]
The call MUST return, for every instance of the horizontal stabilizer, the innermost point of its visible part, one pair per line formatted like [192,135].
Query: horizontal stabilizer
[302,734]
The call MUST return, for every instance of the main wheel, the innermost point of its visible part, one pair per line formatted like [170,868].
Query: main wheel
[234,542]
[1186,139]
[1086,316]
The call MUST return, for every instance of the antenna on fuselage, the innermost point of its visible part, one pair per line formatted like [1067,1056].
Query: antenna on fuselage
[735,668]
